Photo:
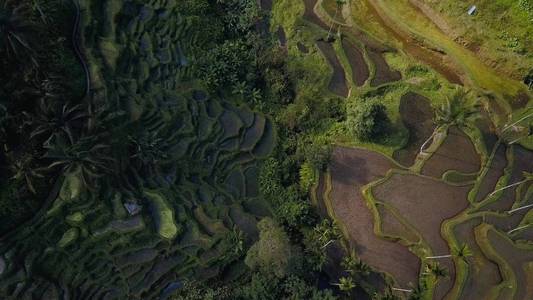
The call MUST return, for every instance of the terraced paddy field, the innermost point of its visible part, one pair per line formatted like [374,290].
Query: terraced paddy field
[438,204]
[187,219]
[447,187]
[430,217]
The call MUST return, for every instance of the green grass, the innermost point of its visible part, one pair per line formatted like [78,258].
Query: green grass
[164,213]
[411,20]
[490,30]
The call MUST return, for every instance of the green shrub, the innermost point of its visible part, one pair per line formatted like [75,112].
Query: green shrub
[273,253]
[367,120]
[307,176]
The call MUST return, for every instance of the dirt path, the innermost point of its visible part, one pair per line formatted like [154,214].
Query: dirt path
[351,169]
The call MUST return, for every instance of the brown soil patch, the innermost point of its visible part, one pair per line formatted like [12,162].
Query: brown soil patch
[494,173]
[309,14]
[426,203]
[384,74]
[337,84]
[351,169]
[360,72]
[523,162]
[436,60]
[482,272]
[417,115]
[515,257]
[391,226]
[456,153]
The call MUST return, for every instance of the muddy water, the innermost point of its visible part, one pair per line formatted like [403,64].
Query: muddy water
[432,58]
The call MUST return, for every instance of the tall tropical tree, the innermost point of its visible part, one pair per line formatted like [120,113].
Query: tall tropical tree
[457,110]
[437,270]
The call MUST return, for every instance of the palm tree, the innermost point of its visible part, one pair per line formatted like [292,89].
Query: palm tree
[355,266]
[339,3]
[456,110]
[436,270]
[462,252]
[417,293]
[345,284]
[15,31]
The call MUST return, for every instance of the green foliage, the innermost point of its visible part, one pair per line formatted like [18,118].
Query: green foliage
[316,242]
[229,64]
[264,287]
[346,284]
[367,120]
[457,110]
[318,155]
[193,290]
[308,176]
[273,253]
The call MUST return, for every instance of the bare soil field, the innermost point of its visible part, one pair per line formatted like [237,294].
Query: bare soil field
[482,273]
[523,162]
[448,157]
[384,73]
[496,167]
[309,14]
[417,115]
[426,203]
[516,258]
[360,72]
[351,169]
[337,83]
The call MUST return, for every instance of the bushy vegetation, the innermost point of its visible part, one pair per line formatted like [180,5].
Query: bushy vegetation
[368,120]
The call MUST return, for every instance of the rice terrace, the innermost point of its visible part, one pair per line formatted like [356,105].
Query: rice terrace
[266,149]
